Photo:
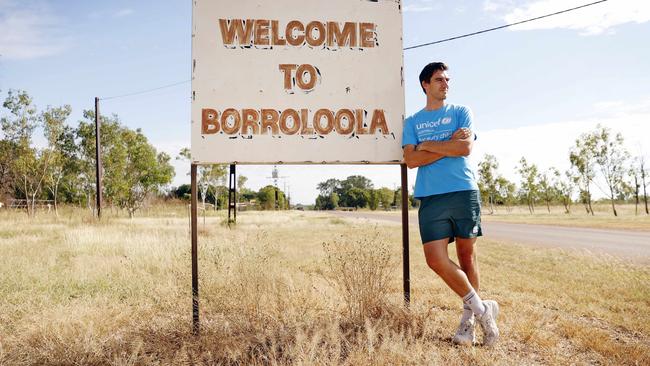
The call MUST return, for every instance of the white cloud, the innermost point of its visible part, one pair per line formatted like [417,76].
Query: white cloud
[548,145]
[495,5]
[29,30]
[419,6]
[597,19]
[124,12]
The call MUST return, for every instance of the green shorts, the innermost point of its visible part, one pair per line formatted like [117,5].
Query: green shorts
[450,215]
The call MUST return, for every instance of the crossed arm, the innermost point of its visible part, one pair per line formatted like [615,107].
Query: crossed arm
[428,152]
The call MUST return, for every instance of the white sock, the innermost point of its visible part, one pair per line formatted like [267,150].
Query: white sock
[467,313]
[474,302]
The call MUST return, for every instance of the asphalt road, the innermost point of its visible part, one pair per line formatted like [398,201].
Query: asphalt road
[624,244]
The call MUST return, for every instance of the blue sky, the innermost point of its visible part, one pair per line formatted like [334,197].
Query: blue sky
[533,88]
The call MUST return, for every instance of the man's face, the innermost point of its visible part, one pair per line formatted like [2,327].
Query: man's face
[438,85]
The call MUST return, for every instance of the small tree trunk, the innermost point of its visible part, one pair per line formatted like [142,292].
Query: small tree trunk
[532,205]
[491,204]
[613,207]
[34,204]
[56,208]
[636,196]
[645,196]
[566,205]
[26,197]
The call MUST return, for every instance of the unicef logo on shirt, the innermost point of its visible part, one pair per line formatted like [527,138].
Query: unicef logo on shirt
[446,120]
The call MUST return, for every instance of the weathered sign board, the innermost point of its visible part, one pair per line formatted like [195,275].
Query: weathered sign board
[297,81]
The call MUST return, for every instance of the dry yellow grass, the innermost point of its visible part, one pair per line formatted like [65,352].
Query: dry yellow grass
[295,288]
[628,218]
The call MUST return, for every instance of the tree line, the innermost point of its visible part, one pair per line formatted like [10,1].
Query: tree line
[63,170]
[598,160]
[212,185]
[357,191]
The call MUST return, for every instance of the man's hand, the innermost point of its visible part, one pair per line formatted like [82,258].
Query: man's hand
[461,134]
[460,144]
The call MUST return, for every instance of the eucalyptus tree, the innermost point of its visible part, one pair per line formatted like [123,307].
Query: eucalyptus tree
[241,186]
[548,186]
[564,189]
[634,187]
[373,203]
[132,168]
[583,160]
[19,126]
[267,198]
[386,197]
[28,164]
[55,129]
[109,136]
[644,184]
[214,175]
[487,172]
[209,177]
[529,176]
[136,170]
[507,192]
[329,186]
[7,173]
[611,158]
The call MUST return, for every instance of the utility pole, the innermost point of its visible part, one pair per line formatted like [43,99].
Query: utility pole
[98,160]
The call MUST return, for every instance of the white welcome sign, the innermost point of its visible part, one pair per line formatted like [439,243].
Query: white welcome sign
[297,81]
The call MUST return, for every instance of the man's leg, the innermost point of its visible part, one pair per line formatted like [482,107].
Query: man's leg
[467,260]
[438,260]
[465,249]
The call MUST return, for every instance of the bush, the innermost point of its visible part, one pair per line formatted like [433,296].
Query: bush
[360,271]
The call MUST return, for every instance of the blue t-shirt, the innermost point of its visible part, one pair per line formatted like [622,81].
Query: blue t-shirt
[449,174]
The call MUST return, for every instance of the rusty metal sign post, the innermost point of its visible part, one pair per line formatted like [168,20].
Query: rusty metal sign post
[195,261]
[232,195]
[98,160]
[296,82]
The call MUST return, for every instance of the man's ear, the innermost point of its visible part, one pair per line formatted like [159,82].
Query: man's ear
[425,84]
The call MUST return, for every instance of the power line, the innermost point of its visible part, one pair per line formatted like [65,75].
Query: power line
[503,26]
[148,90]
[405,49]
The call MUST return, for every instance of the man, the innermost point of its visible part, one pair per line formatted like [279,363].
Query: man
[437,140]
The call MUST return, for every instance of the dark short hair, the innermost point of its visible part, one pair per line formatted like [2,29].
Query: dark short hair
[429,70]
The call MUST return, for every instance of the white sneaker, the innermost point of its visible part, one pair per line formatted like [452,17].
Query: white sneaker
[465,334]
[488,322]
